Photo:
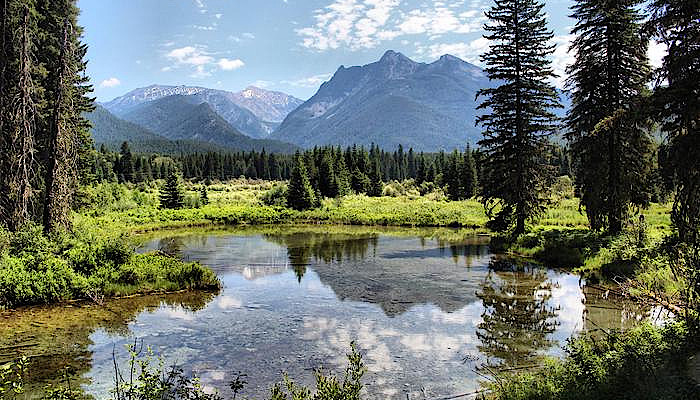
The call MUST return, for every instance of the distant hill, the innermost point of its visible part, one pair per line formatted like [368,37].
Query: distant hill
[111,131]
[254,112]
[390,102]
[107,128]
[185,118]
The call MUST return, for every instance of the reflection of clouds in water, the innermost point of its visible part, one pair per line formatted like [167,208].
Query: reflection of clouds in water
[567,297]
[228,302]
[178,313]
[469,315]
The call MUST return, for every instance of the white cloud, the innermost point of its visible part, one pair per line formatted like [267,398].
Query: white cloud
[218,16]
[311,81]
[200,60]
[358,24]
[229,65]
[262,84]
[190,55]
[110,83]
[562,58]
[468,51]
[657,52]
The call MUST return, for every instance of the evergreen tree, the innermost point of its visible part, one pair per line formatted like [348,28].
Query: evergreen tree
[376,186]
[608,80]
[677,25]
[519,120]
[341,174]
[275,169]
[300,193]
[328,183]
[126,163]
[171,194]
[17,112]
[360,182]
[468,175]
[67,141]
[203,195]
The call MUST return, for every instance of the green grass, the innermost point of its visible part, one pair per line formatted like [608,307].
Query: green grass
[86,263]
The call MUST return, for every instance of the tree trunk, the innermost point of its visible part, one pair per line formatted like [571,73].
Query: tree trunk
[50,209]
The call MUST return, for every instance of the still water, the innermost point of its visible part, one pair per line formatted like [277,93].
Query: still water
[428,309]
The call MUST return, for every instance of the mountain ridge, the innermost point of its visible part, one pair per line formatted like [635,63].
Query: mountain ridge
[389,102]
[253,111]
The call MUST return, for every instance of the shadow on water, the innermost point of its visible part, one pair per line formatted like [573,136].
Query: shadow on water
[417,302]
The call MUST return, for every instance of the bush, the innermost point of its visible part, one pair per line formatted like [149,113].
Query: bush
[645,363]
[37,269]
[277,196]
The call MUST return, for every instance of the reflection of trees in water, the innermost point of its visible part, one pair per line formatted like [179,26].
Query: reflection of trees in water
[517,320]
[59,336]
[171,246]
[303,247]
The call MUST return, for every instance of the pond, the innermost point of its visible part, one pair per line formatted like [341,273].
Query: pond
[430,310]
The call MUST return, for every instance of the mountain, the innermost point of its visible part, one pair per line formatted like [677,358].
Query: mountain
[107,128]
[111,131]
[187,118]
[267,105]
[390,102]
[254,112]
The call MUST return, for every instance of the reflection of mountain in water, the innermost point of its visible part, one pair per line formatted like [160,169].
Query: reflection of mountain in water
[395,273]
[517,318]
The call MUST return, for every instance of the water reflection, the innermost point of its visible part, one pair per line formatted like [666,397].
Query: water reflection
[294,298]
[518,317]
[57,339]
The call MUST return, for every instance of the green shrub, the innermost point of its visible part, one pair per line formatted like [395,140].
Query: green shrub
[36,269]
[645,363]
[277,196]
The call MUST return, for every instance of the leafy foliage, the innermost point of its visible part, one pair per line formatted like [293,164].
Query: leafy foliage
[645,363]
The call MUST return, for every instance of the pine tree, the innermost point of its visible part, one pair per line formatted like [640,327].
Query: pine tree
[677,25]
[275,169]
[360,182]
[341,174]
[126,163]
[203,195]
[300,193]
[468,175]
[376,186]
[608,79]
[519,119]
[17,112]
[171,194]
[67,139]
[328,183]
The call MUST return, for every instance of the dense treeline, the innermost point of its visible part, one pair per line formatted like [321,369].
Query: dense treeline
[331,171]
[43,93]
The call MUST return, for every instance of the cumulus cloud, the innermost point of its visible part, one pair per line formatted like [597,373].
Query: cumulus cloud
[311,81]
[468,51]
[202,62]
[358,24]
[229,65]
[109,83]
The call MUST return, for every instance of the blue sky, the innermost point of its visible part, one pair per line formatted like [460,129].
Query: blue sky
[287,45]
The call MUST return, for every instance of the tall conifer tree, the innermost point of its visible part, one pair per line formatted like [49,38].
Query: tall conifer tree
[607,81]
[677,25]
[300,193]
[519,119]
